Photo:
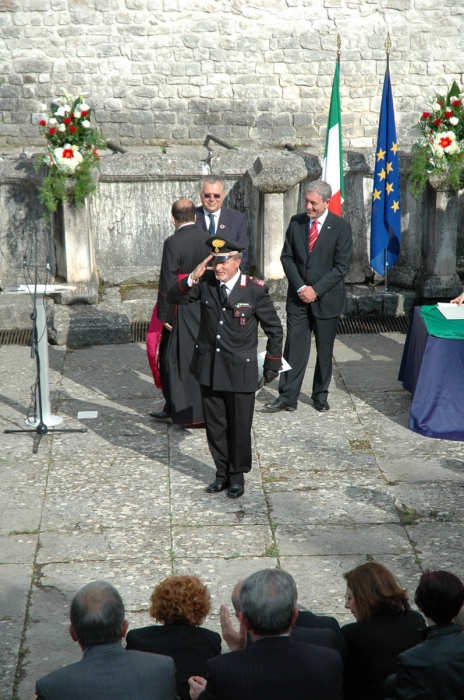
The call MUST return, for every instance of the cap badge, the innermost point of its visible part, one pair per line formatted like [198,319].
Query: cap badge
[217,244]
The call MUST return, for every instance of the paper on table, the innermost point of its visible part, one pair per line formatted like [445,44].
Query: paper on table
[452,312]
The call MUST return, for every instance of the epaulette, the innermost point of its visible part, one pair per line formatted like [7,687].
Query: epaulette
[256,280]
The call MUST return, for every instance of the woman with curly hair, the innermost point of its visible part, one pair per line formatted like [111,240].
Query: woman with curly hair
[180,604]
[385,627]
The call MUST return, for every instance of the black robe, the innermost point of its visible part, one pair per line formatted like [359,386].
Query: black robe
[182,252]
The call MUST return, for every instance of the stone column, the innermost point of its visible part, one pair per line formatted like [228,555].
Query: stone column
[75,252]
[437,276]
[276,176]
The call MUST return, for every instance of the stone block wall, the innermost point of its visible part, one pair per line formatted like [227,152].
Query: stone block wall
[248,71]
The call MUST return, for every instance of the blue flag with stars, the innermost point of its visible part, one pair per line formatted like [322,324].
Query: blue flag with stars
[386,212]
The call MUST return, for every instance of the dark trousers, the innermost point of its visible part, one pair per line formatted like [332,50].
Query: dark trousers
[296,352]
[228,418]
[163,368]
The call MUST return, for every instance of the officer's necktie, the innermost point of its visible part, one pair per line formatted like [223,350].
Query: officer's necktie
[212,227]
[313,234]
[223,293]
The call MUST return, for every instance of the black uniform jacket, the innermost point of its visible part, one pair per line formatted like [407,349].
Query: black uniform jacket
[231,225]
[324,269]
[182,252]
[225,356]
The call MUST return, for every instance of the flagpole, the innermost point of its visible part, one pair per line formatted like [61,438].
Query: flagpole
[339,50]
[387,49]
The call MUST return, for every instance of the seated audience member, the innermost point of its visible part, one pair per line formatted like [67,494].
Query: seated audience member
[273,666]
[434,670]
[323,636]
[106,671]
[385,627]
[181,604]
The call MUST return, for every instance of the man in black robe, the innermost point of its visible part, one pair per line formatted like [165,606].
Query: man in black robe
[182,252]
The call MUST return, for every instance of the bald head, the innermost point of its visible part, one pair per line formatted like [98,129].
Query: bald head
[183,212]
[236,597]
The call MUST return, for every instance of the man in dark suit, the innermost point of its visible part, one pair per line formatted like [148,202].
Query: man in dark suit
[181,253]
[225,359]
[106,670]
[219,221]
[316,257]
[274,667]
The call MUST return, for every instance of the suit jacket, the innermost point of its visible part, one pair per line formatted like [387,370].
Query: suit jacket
[275,668]
[189,647]
[225,356]
[373,647]
[182,252]
[318,637]
[324,269]
[308,619]
[109,672]
[232,226]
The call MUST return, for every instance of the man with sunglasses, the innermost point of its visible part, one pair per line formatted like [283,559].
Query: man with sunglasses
[218,220]
[225,358]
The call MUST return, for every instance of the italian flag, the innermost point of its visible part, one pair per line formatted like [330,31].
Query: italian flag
[332,170]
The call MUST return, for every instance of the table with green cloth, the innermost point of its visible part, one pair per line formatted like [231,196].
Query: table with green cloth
[432,369]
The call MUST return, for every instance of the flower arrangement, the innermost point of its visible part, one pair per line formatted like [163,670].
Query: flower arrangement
[440,151]
[71,151]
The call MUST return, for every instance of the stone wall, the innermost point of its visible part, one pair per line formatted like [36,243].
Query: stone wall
[244,70]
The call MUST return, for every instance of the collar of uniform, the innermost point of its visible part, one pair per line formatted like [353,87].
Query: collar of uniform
[320,220]
[232,282]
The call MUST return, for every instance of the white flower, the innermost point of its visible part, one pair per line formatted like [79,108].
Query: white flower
[436,107]
[439,151]
[84,107]
[68,158]
[60,112]
[67,108]
[52,121]
[86,124]
[454,121]
[77,114]
[62,127]
[43,107]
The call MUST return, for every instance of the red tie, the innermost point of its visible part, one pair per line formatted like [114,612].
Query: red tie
[313,234]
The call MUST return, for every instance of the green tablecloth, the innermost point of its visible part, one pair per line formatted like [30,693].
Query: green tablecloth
[439,326]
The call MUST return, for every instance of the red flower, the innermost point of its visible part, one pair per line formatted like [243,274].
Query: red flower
[84,113]
[68,153]
[67,120]
[455,102]
[52,131]
[445,141]
[437,122]
[43,122]
[448,114]
[71,115]
[72,129]
[439,103]
[425,115]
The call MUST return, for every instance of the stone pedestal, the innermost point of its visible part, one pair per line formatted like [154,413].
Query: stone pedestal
[75,252]
[437,275]
[276,176]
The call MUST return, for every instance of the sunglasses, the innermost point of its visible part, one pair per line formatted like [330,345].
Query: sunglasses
[211,196]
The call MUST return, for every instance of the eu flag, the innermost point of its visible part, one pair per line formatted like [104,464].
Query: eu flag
[386,212]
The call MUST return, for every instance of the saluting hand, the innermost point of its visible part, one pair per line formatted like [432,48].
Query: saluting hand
[200,269]
[234,640]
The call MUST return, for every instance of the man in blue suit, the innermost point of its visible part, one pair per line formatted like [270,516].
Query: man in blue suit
[211,216]
[316,257]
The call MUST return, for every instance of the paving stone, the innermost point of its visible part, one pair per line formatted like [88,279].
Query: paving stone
[439,545]
[296,480]
[316,540]
[430,501]
[15,582]
[412,470]
[206,541]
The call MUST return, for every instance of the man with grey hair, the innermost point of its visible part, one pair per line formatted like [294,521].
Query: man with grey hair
[274,667]
[216,219]
[106,670]
[316,257]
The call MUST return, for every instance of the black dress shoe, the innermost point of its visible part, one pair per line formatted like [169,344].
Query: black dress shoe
[279,405]
[235,491]
[321,406]
[160,415]
[217,486]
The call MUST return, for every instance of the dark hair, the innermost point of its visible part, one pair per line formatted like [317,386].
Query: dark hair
[267,599]
[440,596]
[97,614]
[180,599]
[375,590]
[183,211]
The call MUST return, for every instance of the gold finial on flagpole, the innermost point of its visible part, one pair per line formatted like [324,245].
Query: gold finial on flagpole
[388,44]
[339,45]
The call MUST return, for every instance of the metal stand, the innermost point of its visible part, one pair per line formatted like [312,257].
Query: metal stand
[386,291]
[43,419]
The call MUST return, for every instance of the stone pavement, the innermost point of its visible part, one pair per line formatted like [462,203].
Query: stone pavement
[125,501]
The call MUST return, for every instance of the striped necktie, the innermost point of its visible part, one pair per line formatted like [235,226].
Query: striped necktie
[313,234]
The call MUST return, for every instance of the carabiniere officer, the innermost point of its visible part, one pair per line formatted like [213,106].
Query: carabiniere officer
[225,357]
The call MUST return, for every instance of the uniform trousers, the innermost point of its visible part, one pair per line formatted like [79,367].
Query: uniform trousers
[228,419]
[296,352]
[163,369]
